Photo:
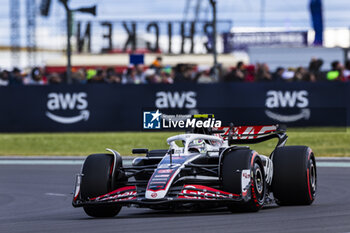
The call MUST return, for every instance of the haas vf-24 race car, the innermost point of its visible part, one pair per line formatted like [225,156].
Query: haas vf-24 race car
[204,168]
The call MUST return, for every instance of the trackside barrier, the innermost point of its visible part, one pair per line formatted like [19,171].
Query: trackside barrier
[106,107]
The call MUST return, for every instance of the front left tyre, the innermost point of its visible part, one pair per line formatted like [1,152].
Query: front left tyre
[97,181]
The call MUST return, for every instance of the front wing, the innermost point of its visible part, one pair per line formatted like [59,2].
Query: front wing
[186,194]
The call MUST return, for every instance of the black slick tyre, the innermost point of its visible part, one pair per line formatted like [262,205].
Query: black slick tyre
[96,181]
[233,163]
[294,177]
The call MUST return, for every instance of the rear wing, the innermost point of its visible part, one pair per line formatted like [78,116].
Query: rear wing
[251,134]
[243,134]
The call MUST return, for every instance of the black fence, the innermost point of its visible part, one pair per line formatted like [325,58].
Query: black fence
[103,107]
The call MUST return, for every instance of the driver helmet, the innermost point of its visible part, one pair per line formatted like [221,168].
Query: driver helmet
[197,145]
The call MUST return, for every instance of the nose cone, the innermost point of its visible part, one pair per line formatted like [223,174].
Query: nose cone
[160,182]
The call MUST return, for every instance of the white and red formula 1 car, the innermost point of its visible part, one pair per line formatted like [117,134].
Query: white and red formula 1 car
[204,168]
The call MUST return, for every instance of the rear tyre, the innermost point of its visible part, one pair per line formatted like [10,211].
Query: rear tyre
[96,181]
[239,160]
[294,177]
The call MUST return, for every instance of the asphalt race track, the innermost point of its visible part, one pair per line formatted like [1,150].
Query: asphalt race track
[36,198]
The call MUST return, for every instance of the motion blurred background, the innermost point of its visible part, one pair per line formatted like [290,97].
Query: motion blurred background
[40,25]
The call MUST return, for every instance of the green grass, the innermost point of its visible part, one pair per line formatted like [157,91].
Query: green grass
[323,141]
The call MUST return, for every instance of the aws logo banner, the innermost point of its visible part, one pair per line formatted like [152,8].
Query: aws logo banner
[67,108]
[287,106]
[186,99]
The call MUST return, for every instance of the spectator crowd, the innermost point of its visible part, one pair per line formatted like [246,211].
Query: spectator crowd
[181,73]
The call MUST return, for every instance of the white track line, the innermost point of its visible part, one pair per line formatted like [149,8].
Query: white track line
[56,194]
[40,162]
[47,162]
[333,164]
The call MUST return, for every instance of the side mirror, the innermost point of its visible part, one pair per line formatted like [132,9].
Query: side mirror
[140,151]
